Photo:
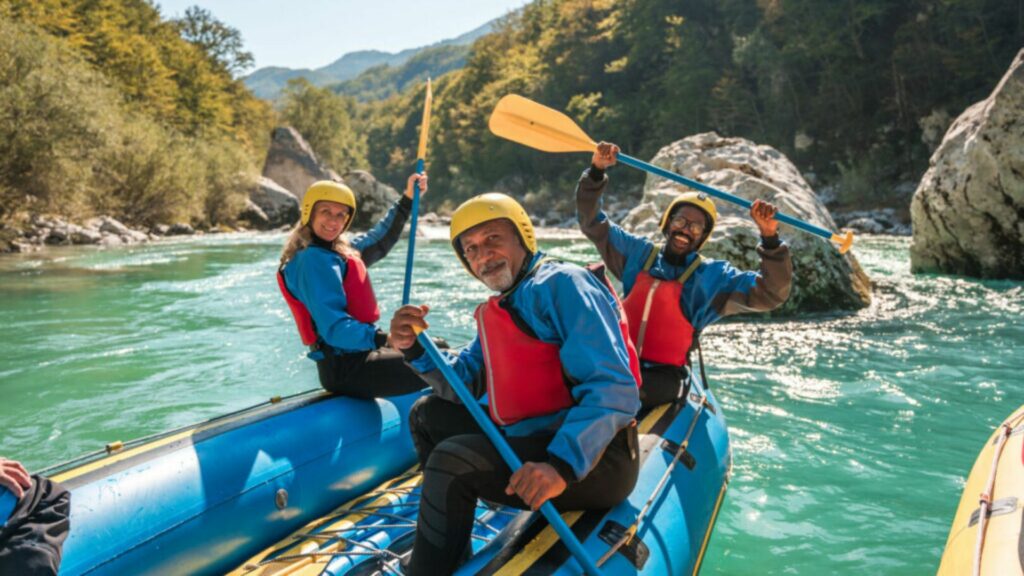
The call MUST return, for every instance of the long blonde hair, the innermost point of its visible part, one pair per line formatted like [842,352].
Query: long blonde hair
[302,236]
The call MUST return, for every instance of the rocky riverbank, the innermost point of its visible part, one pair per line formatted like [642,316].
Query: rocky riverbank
[44,230]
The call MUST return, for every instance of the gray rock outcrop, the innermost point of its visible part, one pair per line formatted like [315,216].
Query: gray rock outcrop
[292,164]
[968,211]
[373,198]
[823,278]
[270,206]
[55,231]
[881,221]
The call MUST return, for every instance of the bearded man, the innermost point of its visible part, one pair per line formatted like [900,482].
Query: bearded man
[672,293]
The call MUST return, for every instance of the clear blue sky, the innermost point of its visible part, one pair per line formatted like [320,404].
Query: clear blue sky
[314,33]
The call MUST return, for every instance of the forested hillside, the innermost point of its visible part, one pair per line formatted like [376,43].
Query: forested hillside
[385,80]
[106,107]
[855,92]
[372,73]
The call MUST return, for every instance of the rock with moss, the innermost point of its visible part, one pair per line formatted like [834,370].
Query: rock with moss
[823,279]
[968,211]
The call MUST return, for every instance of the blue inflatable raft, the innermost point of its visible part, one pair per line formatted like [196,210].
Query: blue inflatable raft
[320,484]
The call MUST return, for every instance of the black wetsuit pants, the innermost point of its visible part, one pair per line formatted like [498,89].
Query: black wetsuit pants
[661,383]
[374,374]
[30,543]
[460,465]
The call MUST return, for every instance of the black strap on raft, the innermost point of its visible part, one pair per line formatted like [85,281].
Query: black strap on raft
[634,549]
[700,357]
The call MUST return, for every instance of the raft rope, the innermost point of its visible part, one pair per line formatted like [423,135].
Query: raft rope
[634,527]
[389,560]
[985,499]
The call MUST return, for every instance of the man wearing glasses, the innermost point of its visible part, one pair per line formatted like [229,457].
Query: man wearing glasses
[671,292]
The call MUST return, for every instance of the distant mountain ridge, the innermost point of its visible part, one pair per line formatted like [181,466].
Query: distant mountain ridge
[268,82]
[384,80]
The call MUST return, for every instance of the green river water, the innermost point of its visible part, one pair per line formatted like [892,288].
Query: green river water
[852,434]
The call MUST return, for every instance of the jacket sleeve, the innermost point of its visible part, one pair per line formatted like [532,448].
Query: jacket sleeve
[467,363]
[593,354]
[593,221]
[623,253]
[375,244]
[316,280]
[722,290]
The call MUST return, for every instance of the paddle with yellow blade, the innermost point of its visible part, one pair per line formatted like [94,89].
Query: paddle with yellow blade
[511,458]
[421,156]
[531,124]
[488,427]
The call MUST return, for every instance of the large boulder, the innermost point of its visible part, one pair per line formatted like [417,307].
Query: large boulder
[292,163]
[968,211]
[271,205]
[823,278]
[373,198]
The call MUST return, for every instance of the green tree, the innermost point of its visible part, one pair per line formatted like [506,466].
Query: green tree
[220,42]
[325,120]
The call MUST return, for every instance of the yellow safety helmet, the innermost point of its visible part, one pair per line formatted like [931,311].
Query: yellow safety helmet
[332,192]
[698,200]
[487,207]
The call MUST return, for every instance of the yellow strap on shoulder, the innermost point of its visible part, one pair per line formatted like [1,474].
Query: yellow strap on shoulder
[686,273]
[690,269]
[650,259]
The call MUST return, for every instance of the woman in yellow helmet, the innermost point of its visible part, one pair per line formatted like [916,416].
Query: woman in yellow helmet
[323,277]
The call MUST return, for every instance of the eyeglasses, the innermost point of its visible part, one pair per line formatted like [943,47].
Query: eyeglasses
[693,227]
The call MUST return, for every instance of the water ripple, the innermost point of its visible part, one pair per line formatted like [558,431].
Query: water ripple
[851,433]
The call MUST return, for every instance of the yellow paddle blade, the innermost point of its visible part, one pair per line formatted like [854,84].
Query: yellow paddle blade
[425,126]
[531,124]
[844,242]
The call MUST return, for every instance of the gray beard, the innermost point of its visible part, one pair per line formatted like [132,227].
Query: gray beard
[499,281]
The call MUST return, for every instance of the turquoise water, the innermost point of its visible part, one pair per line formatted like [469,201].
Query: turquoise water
[852,434]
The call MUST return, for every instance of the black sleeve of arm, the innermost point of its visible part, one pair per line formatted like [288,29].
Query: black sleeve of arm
[381,247]
[563,468]
[589,190]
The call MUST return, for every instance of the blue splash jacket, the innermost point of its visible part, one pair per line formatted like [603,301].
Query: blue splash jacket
[314,276]
[565,305]
[715,290]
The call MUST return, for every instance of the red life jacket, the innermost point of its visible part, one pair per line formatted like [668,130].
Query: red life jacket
[362,302]
[518,388]
[657,325]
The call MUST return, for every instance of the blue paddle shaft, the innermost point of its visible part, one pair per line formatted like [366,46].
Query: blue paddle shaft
[554,518]
[407,284]
[8,501]
[797,223]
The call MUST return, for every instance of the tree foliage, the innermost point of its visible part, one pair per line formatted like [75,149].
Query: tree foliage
[221,43]
[184,83]
[325,121]
[852,78]
[104,108]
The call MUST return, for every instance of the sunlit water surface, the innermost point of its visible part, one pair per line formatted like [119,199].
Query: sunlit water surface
[851,434]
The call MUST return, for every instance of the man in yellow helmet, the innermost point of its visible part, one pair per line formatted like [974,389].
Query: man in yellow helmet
[672,293]
[552,356]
